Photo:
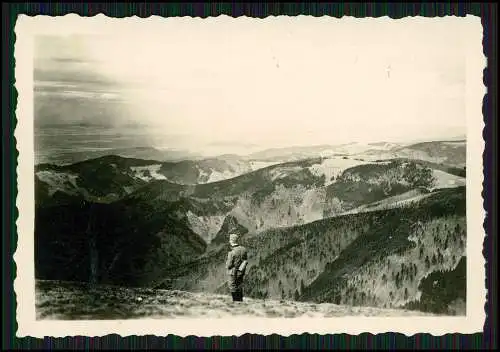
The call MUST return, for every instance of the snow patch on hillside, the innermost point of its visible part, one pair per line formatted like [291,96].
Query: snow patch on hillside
[419,154]
[446,180]
[58,181]
[148,173]
[203,175]
[216,176]
[353,148]
[234,170]
[457,144]
[257,165]
[385,146]
[358,148]
[333,167]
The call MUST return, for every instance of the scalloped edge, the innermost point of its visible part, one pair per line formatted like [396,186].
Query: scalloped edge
[124,331]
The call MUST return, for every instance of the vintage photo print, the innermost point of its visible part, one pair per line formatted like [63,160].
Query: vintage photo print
[225,176]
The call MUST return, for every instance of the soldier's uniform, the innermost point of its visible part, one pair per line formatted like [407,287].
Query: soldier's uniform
[236,265]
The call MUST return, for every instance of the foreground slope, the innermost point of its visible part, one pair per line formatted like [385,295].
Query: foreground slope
[77,301]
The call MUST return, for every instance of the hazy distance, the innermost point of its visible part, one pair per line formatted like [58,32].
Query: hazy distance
[256,84]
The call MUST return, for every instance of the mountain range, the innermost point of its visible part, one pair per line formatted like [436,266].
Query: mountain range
[352,224]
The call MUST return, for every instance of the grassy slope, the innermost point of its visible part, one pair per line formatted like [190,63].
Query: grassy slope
[76,301]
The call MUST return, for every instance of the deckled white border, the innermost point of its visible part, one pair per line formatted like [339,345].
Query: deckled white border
[27,27]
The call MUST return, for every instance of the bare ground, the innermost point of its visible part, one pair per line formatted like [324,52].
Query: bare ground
[77,301]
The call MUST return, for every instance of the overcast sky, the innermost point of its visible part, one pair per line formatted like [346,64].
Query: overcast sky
[266,82]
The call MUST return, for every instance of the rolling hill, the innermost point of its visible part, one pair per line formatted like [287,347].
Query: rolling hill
[294,153]
[274,196]
[287,194]
[55,153]
[111,177]
[449,152]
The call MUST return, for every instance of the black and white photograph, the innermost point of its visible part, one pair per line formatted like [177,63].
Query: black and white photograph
[277,169]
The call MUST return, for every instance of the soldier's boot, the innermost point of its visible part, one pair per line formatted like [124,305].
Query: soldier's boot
[239,296]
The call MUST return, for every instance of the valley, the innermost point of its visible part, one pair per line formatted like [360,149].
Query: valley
[352,225]
[372,259]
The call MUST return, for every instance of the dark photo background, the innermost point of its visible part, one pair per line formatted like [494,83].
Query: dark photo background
[487,339]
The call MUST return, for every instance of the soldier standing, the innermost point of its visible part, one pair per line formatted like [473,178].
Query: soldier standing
[236,264]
